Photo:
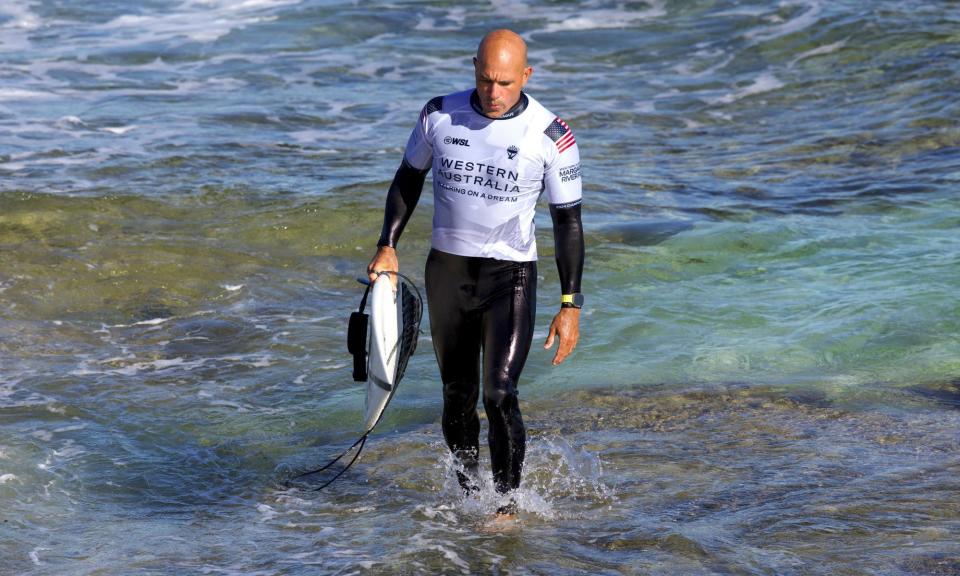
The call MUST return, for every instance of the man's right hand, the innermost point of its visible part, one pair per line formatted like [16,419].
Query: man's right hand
[385,260]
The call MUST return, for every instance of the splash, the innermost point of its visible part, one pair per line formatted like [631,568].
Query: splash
[559,480]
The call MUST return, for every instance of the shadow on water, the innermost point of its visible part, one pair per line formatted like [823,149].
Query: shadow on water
[641,233]
[946,394]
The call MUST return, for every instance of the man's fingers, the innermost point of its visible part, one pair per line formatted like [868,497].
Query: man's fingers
[553,331]
[391,273]
[558,357]
[566,328]
[563,350]
[384,261]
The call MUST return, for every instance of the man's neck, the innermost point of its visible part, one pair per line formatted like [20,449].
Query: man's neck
[513,112]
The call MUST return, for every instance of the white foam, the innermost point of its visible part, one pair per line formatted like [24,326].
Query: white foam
[807,17]
[139,367]
[766,82]
[421,542]
[4,478]
[19,94]
[118,130]
[510,7]
[691,124]
[605,19]
[44,435]
[543,57]
[158,365]
[35,555]
[456,15]
[151,322]
[70,450]
[267,513]
[232,287]
[311,137]
[686,69]
[445,512]
[820,51]
[204,21]
[22,161]
[741,11]
[69,122]
[644,107]
[20,16]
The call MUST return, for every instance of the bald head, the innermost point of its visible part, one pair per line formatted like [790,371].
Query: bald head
[503,45]
[501,70]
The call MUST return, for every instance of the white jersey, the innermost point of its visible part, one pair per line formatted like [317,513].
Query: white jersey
[488,173]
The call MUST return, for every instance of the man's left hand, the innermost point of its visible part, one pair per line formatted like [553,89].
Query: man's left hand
[566,326]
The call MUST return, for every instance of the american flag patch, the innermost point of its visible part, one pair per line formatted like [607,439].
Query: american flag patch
[561,134]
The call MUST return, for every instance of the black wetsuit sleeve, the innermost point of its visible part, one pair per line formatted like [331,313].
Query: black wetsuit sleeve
[402,198]
[568,244]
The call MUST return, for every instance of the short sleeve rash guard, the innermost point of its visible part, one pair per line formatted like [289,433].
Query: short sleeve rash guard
[488,173]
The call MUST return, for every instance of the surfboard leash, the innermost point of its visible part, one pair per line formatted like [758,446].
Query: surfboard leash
[361,441]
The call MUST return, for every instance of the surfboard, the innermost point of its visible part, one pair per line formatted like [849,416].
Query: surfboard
[394,328]
[386,315]
[381,343]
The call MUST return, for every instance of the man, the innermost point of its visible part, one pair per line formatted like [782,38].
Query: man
[493,151]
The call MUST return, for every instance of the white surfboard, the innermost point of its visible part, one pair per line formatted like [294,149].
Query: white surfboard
[386,322]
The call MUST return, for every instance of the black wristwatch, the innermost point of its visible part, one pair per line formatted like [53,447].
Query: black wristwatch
[574,300]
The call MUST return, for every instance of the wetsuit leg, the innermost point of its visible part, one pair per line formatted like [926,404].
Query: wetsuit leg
[490,304]
[456,330]
[508,322]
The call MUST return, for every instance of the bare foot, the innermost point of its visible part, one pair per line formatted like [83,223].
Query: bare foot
[504,520]
[508,510]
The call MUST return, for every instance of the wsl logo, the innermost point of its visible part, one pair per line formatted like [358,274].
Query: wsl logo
[457,141]
[512,152]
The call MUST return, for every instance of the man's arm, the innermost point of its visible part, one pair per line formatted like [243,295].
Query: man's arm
[402,198]
[570,253]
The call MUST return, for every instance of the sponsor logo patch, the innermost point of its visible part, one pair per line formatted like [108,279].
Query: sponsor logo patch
[570,173]
[512,152]
[456,141]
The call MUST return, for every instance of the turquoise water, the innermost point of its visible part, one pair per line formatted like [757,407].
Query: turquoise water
[768,378]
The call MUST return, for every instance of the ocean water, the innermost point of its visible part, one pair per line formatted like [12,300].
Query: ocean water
[768,378]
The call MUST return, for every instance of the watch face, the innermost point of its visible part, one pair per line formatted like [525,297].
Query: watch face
[578,300]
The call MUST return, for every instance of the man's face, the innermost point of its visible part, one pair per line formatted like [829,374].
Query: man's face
[500,78]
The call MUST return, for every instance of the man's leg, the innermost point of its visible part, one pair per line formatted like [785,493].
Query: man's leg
[456,341]
[508,332]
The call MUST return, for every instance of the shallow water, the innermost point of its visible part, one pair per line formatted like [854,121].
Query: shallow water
[767,380]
